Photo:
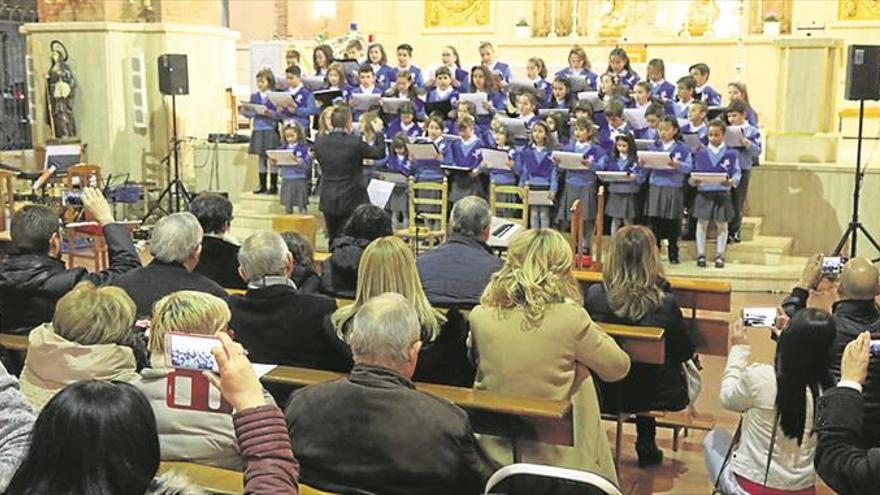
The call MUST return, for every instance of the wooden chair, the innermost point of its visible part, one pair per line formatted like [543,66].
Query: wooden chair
[7,197]
[422,195]
[576,238]
[498,202]
[306,225]
[79,177]
[596,245]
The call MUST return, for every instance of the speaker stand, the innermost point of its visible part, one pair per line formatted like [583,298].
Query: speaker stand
[856,226]
[175,188]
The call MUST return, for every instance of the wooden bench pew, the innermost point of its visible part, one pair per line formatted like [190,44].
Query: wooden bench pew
[219,480]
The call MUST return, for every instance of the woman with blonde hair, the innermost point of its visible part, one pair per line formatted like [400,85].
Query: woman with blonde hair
[202,437]
[90,338]
[635,292]
[532,337]
[388,265]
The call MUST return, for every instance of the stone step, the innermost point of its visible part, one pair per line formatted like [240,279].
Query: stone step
[751,228]
[259,203]
[762,250]
[745,277]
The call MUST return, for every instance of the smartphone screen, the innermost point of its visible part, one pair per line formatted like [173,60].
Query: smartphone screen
[833,265]
[192,352]
[759,317]
[875,347]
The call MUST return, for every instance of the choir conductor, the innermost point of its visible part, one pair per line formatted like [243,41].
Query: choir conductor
[341,156]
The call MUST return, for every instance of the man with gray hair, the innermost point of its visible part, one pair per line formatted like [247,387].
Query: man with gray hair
[273,320]
[372,430]
[457,272]
[175,244]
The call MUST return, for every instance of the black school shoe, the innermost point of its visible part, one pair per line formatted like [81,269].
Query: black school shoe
[719,261]
[701,261]
[649,454]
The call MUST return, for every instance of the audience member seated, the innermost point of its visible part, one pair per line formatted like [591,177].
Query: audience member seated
[188,435]
[372,430]
[340,270]
[777,403]
[273,321]
[840,461]
[110,442]
[90,338]
[856,311]
[176,244]
[34,277]
[457,272]
[17,424]
[635,292]
[533,337]
[218,260]
[388,265]
[304,276]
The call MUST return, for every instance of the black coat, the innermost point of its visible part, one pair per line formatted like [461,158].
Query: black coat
[219,262]
[278,325]
[647,387]
[31,284]
[457,272]
[341,156]
[306,280]
[339,271]
[852,317]
[373,431]
[840,461]
[153,282]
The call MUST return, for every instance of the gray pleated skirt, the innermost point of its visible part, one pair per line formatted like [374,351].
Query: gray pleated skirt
[464,185]
[665,202]
[399,199]
[588,197]
[295,192]
[713,205]
[264,139]
[621,205]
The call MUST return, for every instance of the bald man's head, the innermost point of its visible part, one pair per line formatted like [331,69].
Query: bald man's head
[860,280]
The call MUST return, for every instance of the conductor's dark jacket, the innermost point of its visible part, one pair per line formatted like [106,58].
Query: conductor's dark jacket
[341,157]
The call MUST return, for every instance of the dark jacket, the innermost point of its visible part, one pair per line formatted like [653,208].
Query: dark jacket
[278,325]
[457,272]
[647,387]
[373,431]
[339,271]
[443,360]
[219,262]
[158,279]
[341,156]
[306,280]
[31,284]
[852,317]
[840,461]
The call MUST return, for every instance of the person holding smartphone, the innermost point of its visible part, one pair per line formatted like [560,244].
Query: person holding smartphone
[851,299]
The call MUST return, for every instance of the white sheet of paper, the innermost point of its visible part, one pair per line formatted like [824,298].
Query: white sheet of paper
[516,126]
[635,117]
[655,159]
[422,151]
[262,369]
[577,83]
[540,198]
[593,98]
[281,99]
[364,101]
[734,136]
[314,83]
[502,232]
[379,192]
[255,107]
[477,99]
[571,161]
[452,137]
[683,122]
[709,177]
[392,105]
[644,144]
[692,140]
[283,157]
[521,86]
[394,177]
[496,159]
[455,167]
[616,176]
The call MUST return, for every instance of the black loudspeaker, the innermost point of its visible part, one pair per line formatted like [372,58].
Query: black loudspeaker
[173,78]
[863,72]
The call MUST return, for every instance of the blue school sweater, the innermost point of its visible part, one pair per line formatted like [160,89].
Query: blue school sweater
[663,89]
[464,154]
[400,164]
[679,152]
[384,76]
[301,150]
[747,155]
[591,153]
[724,160]
[702,132]
[430,170]
[628,78]
[305,107]
[355,114]
[417,78]
[396,127]
[538,169]
[590,76]
[623,164]
[507,177]
[502,69]
[708,95]
[262,122]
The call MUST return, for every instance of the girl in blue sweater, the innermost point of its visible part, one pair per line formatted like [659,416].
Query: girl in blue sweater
[264,135]
[581,184]
[622,204]
[294,179]
[539,173]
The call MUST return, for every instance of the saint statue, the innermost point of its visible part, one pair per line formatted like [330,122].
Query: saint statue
[61,88]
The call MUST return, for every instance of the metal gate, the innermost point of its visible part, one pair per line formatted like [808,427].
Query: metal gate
[14,121]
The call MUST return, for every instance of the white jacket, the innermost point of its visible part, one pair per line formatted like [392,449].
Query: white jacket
[751,390]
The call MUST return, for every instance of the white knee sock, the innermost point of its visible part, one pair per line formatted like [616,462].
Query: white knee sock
[722,238]
[702,226]
[615,224]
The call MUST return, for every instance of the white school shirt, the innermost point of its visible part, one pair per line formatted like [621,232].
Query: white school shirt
[751,390]
[444,94]
[714,149]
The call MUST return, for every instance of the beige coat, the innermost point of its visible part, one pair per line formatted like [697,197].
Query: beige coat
[54,362]
[553,361]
